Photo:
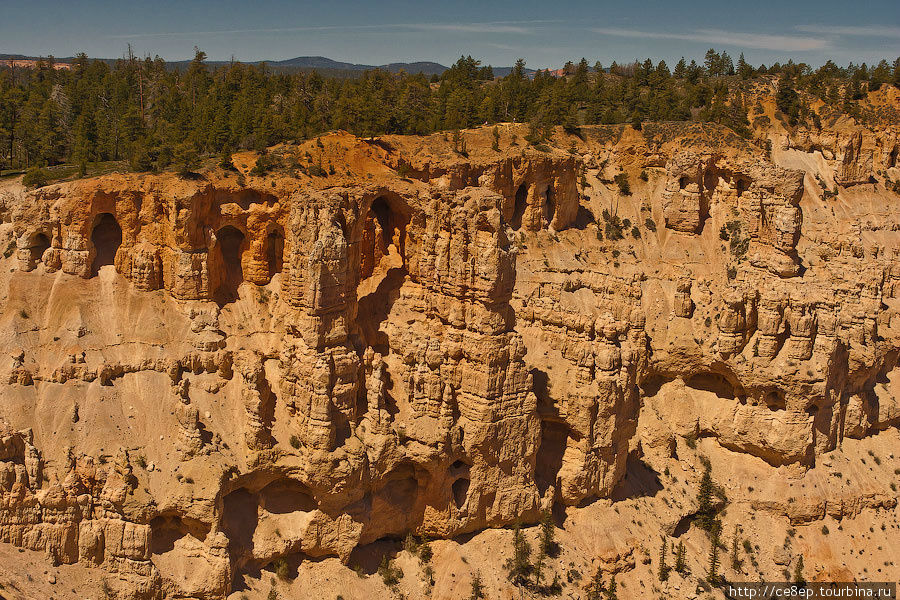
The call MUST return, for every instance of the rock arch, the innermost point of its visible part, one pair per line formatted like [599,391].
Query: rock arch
[383,266]
[230,243]
[275,251]
[384,229]
[106,237]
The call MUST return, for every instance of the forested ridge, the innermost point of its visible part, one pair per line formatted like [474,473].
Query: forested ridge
[140,111]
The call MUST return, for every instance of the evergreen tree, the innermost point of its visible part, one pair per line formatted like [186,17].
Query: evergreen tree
[611,590]
[518,566]
[663,571]
[798,572]
[712,574]
[787,100]
[477,587]
[680,564]
[735,556]
[744,70]
[595,588]
[548,535]
[705,513]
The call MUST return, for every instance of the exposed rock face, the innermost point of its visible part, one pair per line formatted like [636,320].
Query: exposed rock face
[204,376]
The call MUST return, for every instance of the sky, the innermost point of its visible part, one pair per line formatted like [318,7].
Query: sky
[544,33]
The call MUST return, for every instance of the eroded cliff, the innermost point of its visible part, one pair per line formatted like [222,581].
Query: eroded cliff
[205,375]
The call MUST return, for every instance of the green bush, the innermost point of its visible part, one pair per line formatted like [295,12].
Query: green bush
[282,570]
[35,178]
[622,181]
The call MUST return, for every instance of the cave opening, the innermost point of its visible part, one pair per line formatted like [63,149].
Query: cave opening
[521,203]
[716,383]
[460,490]
[382,213]
[106,237]
[554,438]
[230,241]
[741,186]
[710,181]
[892,158]
[683,182]
[286,495]
[38,244]
[775,400]
[275,252]
[165,530]
[549,204]
[240,517]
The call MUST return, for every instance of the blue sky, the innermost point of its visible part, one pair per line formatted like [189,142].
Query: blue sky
[545,33]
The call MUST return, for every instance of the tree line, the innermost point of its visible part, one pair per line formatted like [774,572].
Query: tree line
[140,111]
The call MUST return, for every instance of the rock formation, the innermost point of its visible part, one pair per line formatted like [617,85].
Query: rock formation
[204,376]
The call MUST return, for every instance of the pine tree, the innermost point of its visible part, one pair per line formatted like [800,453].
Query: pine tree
[519,566]
[744,70]
[680,565]
[611,590]
[705,513]
[548,535]
[538,567]
[477,587]
[798,572]
[736,563]
[787,100]
[712,575]
[595,588]
[663,569]
[495,145]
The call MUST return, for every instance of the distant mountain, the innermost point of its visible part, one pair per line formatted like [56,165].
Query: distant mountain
[324,65]
[321,63]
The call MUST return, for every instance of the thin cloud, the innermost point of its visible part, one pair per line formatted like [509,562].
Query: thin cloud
[882,31]
[498,27]
[728,38]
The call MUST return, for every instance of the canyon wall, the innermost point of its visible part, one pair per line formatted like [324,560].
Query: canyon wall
[204,375]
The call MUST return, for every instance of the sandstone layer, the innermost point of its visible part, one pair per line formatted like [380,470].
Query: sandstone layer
[202,376]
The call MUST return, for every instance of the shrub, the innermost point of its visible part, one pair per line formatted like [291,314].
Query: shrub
[282,570]
[35,177]
[613,226]
[225,161]
[187,160]
[295,442]
[622,181]
[650,224]
[316,171]
[425,552]
[390,573]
